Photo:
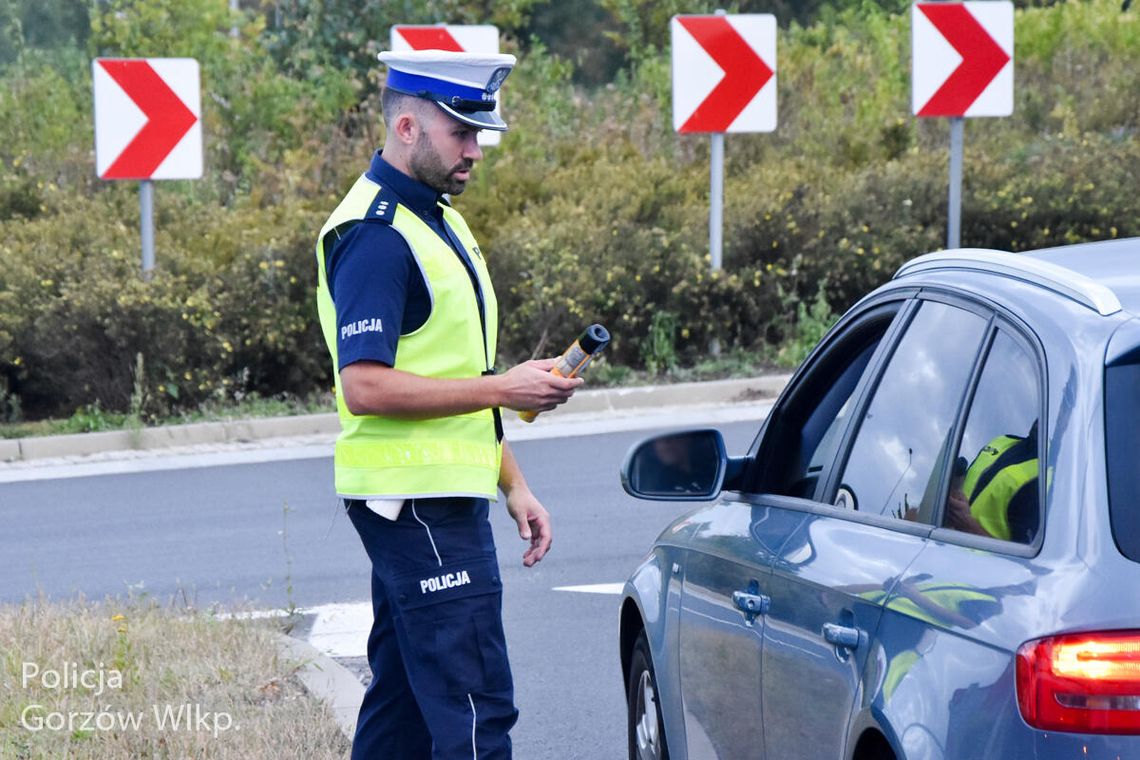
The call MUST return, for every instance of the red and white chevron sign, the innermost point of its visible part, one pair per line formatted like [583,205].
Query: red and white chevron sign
[724,73]
[147,118]
[459,38]
[962,58]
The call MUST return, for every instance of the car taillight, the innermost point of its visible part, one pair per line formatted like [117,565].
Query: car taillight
[1084,683]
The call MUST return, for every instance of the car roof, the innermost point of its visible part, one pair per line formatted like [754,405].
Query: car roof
[1112,263]
[1105,276]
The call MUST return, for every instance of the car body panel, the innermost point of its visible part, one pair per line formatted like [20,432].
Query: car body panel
[811,685]
[951,628]
[654,589]
[719,650]
[719,645]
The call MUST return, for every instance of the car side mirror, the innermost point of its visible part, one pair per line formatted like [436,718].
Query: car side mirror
[686,466]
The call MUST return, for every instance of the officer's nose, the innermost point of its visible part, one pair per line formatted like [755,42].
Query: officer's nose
[471,149]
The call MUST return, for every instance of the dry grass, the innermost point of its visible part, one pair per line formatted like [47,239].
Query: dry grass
[235,696]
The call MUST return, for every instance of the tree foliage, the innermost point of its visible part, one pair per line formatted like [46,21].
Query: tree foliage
[592,209]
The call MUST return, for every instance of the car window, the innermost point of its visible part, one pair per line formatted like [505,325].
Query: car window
[809,426]
[1122,441]
[905,430]
[994,478]
[836,421]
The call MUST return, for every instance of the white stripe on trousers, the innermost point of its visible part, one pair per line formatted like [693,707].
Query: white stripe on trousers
[421,522]
[474,749]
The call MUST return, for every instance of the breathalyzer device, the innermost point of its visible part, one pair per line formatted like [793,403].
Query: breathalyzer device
[576,358]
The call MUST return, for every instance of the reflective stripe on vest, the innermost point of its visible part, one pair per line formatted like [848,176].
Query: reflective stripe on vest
[994,479]
[935,597]
[383,457]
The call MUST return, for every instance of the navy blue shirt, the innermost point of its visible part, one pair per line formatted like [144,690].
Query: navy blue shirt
[375,281]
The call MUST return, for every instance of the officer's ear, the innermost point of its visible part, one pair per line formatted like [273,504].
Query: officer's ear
[407,127]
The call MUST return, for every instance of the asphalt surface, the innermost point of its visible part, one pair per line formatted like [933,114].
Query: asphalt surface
[267,535]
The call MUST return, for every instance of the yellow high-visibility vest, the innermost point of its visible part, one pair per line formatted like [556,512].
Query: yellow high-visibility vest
[383,457]
[989,504]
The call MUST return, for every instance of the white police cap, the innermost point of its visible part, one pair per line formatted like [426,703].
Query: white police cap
[462,84]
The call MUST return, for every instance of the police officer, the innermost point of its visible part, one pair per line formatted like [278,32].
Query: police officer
[997,494]
[409,316]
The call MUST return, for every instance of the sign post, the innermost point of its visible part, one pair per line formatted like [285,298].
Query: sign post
[147,127]
[482,39]
[954,210]
[716,200]
[146,225]
[961,67]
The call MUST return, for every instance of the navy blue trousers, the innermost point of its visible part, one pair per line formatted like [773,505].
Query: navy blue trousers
[441,682]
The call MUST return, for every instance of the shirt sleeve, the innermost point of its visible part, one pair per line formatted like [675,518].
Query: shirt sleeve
[368,275]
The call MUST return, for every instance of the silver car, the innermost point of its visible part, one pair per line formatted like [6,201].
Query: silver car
[932,548]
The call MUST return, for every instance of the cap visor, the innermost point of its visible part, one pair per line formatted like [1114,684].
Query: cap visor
[478,119]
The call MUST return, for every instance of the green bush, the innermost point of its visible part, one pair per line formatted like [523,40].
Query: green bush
[228,312]
[812,323]
[591,210]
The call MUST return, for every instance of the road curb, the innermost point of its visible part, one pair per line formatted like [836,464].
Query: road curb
[682,394]
[9,450]
[631,399]
[327,680]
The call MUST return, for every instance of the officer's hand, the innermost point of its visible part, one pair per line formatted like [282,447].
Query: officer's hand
[533,521]
[530,386]
[958,514]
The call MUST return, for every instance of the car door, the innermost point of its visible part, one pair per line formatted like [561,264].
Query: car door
[727,568]
[976,591]
[871,468]
[720,626]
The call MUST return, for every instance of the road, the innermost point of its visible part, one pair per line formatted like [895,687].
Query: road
[268,535]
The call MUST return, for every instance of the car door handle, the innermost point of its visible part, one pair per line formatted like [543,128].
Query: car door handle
[841,635]
[751,603]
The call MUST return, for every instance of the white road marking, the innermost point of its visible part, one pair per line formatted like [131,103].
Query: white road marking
[258,614]
[599,423]
[156,460]
[341,630]
[594,588]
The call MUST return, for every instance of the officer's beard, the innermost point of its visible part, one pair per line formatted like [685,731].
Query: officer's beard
[428,168]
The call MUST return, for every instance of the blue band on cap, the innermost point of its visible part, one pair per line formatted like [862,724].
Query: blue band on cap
[439,89]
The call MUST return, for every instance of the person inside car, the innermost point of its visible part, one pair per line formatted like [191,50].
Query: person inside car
[996,495]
